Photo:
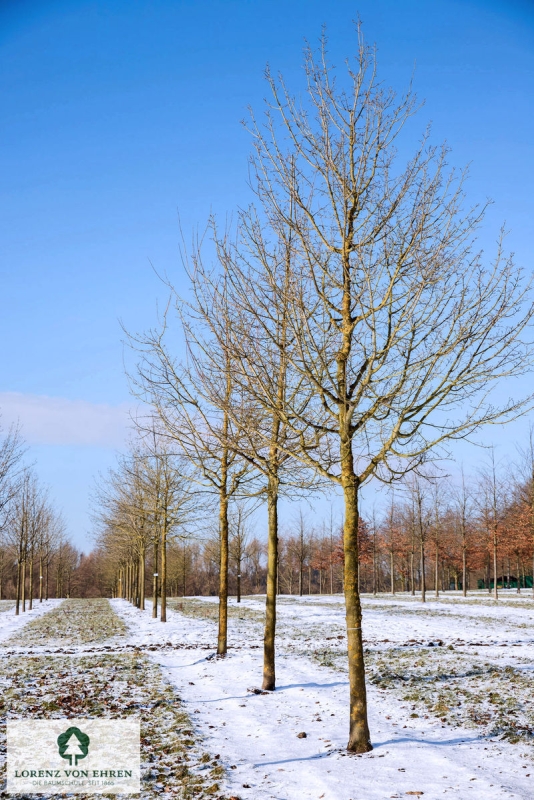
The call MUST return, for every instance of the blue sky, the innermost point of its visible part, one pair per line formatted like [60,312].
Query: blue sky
[119,118]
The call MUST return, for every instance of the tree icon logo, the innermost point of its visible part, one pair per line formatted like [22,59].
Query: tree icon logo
[73,744]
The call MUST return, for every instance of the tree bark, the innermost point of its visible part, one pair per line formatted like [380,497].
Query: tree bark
[17,605]
[436,572]
[359,737]
[163,570]
[142,579]
[155,583]
[423,579]
[269,672]
[23,585]
[464,569]
[495,592]
[31,584]
[222,637]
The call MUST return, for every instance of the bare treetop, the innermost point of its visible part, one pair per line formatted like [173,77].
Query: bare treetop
[401,325]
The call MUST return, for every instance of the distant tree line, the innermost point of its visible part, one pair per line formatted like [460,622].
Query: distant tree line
[37,560]
[433,535]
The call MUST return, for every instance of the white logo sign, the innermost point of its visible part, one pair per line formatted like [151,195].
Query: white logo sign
[81,756]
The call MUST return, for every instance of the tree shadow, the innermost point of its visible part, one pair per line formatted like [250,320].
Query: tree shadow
[311,685]
[431,742]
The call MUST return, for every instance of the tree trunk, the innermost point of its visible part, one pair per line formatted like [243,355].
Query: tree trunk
[392,570]
[222,638]
[464,570]
[423,579]
[495,592]
[359,738]
[374,559]
[23,585]
[269,673]
[184,574]
[331,572]
[155,582]
[17,605]
[40,579]
[532,515]
[436,572]
[163,570]
[31,584]
[142,579]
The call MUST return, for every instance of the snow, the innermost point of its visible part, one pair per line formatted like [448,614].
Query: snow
[10,622]
[256,734]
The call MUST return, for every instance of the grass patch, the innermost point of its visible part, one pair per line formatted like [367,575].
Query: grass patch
[201,609]
[73,622]
[173,763]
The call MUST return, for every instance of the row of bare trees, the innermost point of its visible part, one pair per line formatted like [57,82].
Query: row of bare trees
[141,507]
[434,535]
[36,559]
[461,535]
[346,328]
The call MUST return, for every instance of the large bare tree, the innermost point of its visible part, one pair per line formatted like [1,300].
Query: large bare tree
[400,328]
[249,318]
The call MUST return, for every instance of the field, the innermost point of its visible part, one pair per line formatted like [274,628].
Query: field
[451,693]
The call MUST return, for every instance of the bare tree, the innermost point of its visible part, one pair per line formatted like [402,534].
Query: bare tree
[422,522]
[491,506]
[463,502]
[399,330]
[239,537]
[526,470]
[11,452]
[124,527]
[300,546]
[436,529]
[145,502]
[167,484]
[192,400]
[22,523]
[253,334]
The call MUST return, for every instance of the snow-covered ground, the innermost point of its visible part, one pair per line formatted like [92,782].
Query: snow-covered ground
[76,661]
[450,695]
[10,622]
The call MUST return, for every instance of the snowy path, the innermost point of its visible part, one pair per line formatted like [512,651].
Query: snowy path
[10,623]
[74,661]
[256,735]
